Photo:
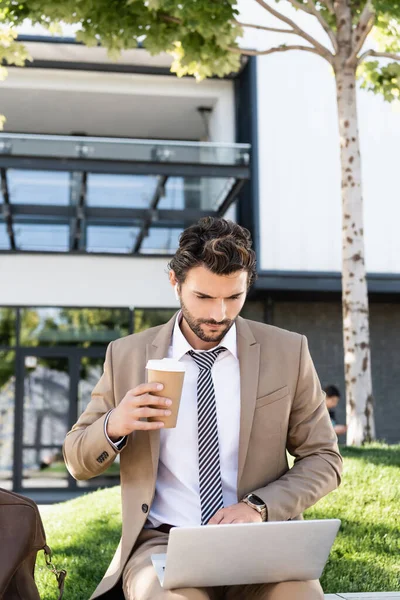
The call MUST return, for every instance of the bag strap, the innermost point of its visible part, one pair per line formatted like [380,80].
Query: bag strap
[60,574]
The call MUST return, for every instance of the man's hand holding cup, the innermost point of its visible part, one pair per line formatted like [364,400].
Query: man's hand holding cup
[139,403]
[157,401]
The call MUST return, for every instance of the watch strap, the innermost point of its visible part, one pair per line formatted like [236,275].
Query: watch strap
[262,509]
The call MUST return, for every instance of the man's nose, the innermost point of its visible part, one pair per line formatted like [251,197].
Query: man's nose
[219,311]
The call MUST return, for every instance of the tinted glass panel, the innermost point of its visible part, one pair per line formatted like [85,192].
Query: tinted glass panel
[4,239]
[126,191]
[8,326]
[161,241]
[205,193]
[125,149]
[38,187]
[45,420]
[72,326]
[111,239]
[7,400]
[42,237]
[91,369]
[44,468]
[149,317]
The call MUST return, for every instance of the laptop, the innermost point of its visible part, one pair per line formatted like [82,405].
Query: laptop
[245,553]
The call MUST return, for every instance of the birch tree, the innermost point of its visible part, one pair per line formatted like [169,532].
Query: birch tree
[360,40]
[348,25]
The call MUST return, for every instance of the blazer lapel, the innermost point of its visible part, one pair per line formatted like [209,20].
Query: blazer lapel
[249,360]
[158,348]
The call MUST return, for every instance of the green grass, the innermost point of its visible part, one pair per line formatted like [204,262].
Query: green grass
[84,533]
[366,553]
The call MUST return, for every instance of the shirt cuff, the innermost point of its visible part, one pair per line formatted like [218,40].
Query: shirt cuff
[116,445]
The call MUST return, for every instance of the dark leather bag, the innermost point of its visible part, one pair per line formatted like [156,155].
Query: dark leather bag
[21,537]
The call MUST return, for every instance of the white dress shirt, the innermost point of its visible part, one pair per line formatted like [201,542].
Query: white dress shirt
[177,496]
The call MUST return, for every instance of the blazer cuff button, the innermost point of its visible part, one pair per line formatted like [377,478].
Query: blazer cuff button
[145,508]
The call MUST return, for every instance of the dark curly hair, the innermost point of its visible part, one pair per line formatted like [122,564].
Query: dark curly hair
[331,391]
[220,245]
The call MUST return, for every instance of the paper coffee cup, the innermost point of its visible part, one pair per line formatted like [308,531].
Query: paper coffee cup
[170,373]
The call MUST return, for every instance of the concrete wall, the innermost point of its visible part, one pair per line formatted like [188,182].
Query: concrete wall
[58,280]
[321,323]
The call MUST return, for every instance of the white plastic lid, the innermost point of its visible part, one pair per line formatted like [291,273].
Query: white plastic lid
[166,364]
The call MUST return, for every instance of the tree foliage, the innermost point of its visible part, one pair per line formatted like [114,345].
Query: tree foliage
[196,32]
[380,78]
[201,35]
[11,51]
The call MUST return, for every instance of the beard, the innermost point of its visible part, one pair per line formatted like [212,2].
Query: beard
[195,325]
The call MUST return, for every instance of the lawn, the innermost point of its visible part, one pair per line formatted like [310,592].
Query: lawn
[84,532]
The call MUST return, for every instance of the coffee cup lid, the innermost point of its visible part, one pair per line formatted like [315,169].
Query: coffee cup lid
[166,364]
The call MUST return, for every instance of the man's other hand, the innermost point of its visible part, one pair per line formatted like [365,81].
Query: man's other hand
[340,429]
[237,513]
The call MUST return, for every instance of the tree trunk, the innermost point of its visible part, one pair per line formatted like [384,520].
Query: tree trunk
[356,337]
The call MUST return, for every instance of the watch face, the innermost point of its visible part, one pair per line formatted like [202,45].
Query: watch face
[255,500]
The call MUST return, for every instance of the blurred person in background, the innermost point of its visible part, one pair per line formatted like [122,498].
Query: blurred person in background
[332,400]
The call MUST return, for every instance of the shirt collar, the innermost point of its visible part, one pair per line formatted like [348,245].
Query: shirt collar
[180,345]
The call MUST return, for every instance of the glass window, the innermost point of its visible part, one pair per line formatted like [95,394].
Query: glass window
[176,196]
[253,310]
[161,241]
[46,402]
[38,187]
[136,191]
[123,191]
[111,239]
[47,396]
[4,239]
[44,468]
[205,193]
[91,369]
[73,326]
[7,400]
[8,326]
[151,317]
[42,237]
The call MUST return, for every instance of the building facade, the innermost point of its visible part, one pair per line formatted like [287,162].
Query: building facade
[103,164]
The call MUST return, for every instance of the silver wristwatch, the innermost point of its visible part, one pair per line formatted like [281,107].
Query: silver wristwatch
[257,503]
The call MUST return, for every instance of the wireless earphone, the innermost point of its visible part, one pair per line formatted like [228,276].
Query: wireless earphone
[176,291]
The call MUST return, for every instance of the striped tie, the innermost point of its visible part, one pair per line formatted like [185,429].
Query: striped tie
[211,499]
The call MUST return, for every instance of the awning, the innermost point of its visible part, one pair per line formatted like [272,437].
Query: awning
[89,194]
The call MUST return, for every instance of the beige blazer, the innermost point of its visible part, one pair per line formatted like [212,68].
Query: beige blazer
[282,407]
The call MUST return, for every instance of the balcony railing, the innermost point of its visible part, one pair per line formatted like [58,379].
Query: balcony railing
[86,194]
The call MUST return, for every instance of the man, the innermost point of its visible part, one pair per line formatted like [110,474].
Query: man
[250,392]
[332,400]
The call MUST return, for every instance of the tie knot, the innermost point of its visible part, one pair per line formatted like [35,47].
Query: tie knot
[205,360]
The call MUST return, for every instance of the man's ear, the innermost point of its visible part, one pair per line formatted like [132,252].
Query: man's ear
[172,278]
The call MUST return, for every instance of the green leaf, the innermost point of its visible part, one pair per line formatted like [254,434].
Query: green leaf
[381,79]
